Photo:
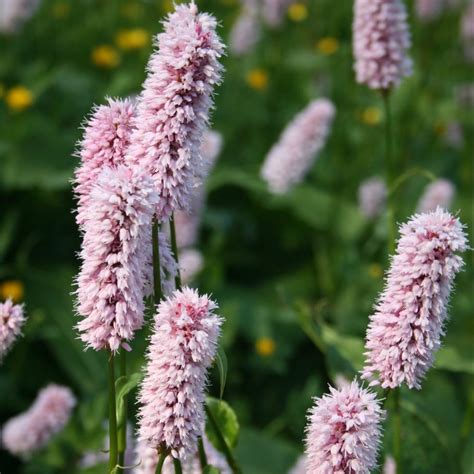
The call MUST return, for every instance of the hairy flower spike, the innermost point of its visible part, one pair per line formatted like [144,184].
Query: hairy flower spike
[372,197]
[33,429]
[273,11]
[343,432]
[182,347]
[12,319]
[246,30]
[293,155]
[439,193]
[13,13]
[405,331]
[173,108]
[111,282]
[381,42]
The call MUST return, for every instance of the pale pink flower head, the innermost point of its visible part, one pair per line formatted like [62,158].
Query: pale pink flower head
[295,152]
[405,331]
[33,429]
[190,264]
[104,144]
[467,31]
[273,11]
[381,42]
[439,193]
[12,318]
[13,13]
[453,135]
[115,255]
[246,30]
[211,147]
[372,196]
[182,348]
[300,466]
[173,108]
[389,466]
[343,432]
[427,10]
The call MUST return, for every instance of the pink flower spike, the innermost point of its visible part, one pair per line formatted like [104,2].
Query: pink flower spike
[372,197]
[405,331]
[182,348]
[173,108]
[343,432]
[13,13]
[293,155]
[106,139]
[439,193]
[381,43]
[12,318]
[115,258]
[33,429]
[246,30]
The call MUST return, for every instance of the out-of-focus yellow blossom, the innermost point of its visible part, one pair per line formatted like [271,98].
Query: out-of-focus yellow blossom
[298,11]
[257,79]
[265,346]
[371,116]
[61,10]
[12,289]
[19,98]
[327,45]
[376,271]
[132,10]
[105,56]
[132,39]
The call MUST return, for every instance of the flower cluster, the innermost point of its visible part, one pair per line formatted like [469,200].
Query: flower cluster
[381,41]
[406,328]
[343,432]
[33,429]
[12,319]
[246,30]
[439,193]
[372,196]
[15,12]
[182,347]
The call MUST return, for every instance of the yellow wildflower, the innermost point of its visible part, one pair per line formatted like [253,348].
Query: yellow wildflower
[265,346]
[257,79]
[61,10]
[327,45]
[132,39]
[375,271]
[12,289]
[105,56]
[371,116]
[19,98]
[298,11]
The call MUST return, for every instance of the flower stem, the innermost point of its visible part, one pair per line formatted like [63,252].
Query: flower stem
[202,454]
[225,448]
[390,170]
[122,431]
[161,461]
[112,415]
[397,430]
[174,248]
[156,263]
[177,466]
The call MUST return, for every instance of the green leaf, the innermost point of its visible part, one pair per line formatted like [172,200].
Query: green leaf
[211,470]
[449,358]
[227,421]
[123,386]
[221,361]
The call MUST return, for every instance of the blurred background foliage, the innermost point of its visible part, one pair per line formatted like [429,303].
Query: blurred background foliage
[296,276]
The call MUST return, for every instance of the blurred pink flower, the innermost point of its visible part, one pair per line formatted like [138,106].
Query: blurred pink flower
[12,318]
[33,429]
[427,10]
[246,30]
[389,467]
[15,12]
[300,466]
[173,108]
[105,142]
[295,152]
[439,193]
[453,135]
[406,329]
[467,31]
[182,348]
[343,432]
[114,257]
[190,264]
[372,196]
[381,42]
[273,11]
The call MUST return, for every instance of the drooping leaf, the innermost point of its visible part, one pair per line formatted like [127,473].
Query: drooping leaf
[226,420]
[221,361]
[123,386]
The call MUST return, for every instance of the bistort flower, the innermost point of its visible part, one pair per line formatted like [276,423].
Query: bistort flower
[343,432]
[439,193]
[293,155]
[33,429]
[173,108]
[381,43]
[12,318]
[246,30]
[182,348]
[406,329]
[372,196]
[13,13]
[115,258]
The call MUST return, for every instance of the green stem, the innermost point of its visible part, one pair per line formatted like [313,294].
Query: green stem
[397,430]
[122,431]
[390,170]
[156,263]
[174,248]
[112,415]
[177,466]
[225,448]
[202,454]
[161,461]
